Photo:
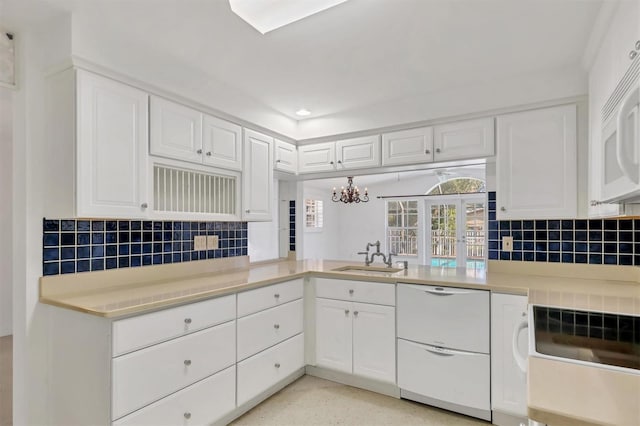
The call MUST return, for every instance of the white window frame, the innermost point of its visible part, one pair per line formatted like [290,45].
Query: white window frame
[419,256]
[318,215]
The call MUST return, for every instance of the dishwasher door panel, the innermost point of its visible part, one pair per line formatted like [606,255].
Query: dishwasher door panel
[457,377]
[449,317]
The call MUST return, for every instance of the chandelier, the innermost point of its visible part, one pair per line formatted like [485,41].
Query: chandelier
[350,194]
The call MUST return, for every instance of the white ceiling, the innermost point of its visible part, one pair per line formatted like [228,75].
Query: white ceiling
[352,56]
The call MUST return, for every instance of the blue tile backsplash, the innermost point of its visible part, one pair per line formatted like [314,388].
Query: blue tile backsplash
[292,225]
[594,241]
[71,246]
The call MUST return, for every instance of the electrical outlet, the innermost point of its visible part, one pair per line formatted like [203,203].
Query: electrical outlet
[200,242]
[212,242]
[507,243]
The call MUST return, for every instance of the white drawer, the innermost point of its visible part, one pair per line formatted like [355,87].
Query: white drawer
[452,376]
[455,318]
[200,404]
[266,328]
[138,332]
[262,298]
[261,371]
[147,375]
[356,291]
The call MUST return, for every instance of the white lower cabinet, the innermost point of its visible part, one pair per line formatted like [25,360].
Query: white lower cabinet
[455,377]
[267,368]
[198,405]
[356,338]
[182,361]
[509,350]
[264,329]
[334,335]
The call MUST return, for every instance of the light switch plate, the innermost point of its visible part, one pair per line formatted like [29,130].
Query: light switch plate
[212,242]
[507,243]
[200,242]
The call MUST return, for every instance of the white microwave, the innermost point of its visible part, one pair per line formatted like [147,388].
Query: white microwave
[620,147]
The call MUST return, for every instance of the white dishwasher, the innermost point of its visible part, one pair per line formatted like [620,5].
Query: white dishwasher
[443,348]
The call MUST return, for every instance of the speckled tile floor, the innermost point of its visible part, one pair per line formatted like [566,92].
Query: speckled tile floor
[313,401]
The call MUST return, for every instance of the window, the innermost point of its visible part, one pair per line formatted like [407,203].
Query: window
[313,214]
[402,227]
[460,185]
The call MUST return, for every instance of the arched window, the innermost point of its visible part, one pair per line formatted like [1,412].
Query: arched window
[458,185]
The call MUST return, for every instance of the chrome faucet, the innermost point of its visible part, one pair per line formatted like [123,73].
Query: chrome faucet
[368,261]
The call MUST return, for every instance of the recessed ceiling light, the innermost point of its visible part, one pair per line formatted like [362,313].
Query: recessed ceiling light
[303,112]
[268,15]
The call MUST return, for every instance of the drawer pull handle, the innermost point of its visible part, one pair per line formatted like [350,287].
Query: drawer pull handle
[187,362]
[350,291]
[355,313]
[277,295]
[276,326]
[187,320]
[439,291]
[277,365]
[187,415]
[439,351]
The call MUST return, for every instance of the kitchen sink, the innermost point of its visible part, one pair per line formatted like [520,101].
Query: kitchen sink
[367,269]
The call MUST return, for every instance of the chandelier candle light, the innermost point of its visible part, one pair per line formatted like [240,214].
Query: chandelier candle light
[350,194]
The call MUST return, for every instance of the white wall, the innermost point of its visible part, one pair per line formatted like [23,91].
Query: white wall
[349,227]
[323,243]
[36,45]
[6,250]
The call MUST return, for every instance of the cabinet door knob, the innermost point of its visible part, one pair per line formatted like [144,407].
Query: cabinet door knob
[277,295]
[187,320]
[199,151]
[438,150]
[502,209]
[247,211]
[187,362]
[277,365]
[355,313]
[633,54]
[426,151]
[346,312]
[339,161]
[351,291]
[144,205]
[331,162]
[277,161]
[276,326]
[208,153]
[524,314]
[187,415]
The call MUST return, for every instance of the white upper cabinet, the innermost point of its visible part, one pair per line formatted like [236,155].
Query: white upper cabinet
[319,157]
[182,133]
[286,157]
[358,152]
[221,143]
[257,177]
[407,147]
[112,138]
[464,139]
[176,131]
[537,164]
